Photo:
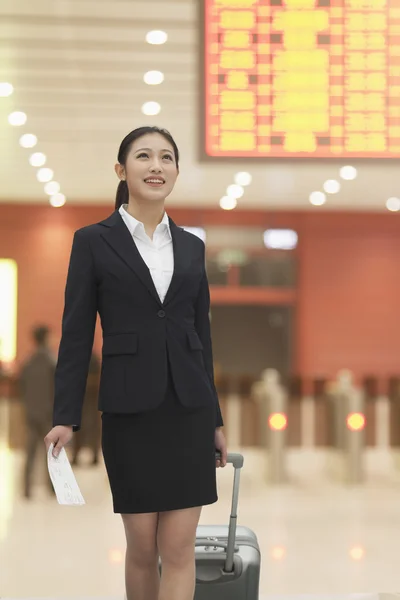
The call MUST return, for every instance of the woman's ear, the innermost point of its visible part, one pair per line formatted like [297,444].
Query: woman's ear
[120,171]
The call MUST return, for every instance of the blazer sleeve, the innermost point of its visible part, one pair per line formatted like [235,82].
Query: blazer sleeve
[78,326]
[202,324]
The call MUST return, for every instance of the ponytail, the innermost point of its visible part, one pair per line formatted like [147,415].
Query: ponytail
[122,196]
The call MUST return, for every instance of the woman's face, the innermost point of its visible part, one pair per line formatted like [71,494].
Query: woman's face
[150,169]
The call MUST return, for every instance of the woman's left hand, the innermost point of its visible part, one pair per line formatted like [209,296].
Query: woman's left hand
[220,444]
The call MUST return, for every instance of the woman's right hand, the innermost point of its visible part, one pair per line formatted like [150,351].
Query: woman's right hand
[59,436]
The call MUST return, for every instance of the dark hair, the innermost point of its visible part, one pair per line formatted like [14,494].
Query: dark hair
[122,196]
[40,334]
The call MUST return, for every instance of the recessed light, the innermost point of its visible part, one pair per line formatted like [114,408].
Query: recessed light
[243,178]
[156,37]
[37,159]
[348,173]
[280,239]
[6,89]
[393,204]
[17,118]
[151,108]
[57,200]
[228,202]
[153,77]
[234,191]
[44,175]
[317,198]
[52,187]
[28,140]
[331,186]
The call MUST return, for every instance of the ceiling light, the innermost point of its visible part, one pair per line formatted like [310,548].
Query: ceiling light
[28,140]
[37,159]
[393,204]
[57,200]
[6,89]
[17,118]
[348,173]
[243,178]
[52,187]
[331,186]
[317,198]
[151,108]
[153,77]
[234,191]
[280,239]
[156,37]
[44,175]
[228,202]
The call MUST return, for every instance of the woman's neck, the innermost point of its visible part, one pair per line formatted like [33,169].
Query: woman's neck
[149,215]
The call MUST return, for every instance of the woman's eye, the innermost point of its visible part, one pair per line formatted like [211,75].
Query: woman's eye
[143,154]
[167,156]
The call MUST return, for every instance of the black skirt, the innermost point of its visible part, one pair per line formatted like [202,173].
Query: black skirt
[162,459]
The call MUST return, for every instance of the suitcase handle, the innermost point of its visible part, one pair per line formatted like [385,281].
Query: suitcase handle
[213,543]
[237,461]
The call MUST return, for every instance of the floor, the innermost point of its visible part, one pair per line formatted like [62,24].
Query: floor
[319,538]
[275,597]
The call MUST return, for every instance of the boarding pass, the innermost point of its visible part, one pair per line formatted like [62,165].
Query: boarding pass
[63,479]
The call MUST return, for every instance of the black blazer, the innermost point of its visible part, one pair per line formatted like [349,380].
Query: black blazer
[140,333]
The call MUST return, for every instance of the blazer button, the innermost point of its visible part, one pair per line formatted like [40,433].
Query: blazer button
[161,314]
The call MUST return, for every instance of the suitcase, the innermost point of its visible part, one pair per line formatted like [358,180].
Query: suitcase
[227,557]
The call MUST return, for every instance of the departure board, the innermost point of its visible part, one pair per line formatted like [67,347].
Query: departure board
[302,78]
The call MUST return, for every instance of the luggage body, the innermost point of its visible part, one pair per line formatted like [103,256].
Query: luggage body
[228,557]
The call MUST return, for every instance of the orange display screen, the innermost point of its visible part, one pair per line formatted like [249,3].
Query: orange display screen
[302,78]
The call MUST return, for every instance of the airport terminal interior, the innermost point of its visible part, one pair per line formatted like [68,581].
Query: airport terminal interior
[286,114]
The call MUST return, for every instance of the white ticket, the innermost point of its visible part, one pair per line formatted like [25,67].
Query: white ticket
[63,479]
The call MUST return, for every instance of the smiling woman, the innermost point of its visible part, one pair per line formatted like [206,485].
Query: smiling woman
[135,157]
[161,419]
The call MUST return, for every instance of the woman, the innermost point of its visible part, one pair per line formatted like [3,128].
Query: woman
[161,420]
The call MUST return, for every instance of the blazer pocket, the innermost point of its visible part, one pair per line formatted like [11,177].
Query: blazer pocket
[194,341]
[120,343]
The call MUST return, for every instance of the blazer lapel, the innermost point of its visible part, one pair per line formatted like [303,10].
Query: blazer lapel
[182,259]
[119,238]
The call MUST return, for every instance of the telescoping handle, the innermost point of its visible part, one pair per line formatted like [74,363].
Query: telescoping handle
[237,461]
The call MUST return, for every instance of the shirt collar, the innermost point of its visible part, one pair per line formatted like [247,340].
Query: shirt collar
[133,223]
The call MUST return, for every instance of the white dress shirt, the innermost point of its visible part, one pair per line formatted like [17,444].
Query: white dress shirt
[158,253]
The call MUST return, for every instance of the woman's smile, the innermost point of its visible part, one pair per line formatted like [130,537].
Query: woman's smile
[155,181]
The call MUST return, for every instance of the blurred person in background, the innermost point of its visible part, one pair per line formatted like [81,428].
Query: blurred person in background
[161,419]
[90,434]
[37,393]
